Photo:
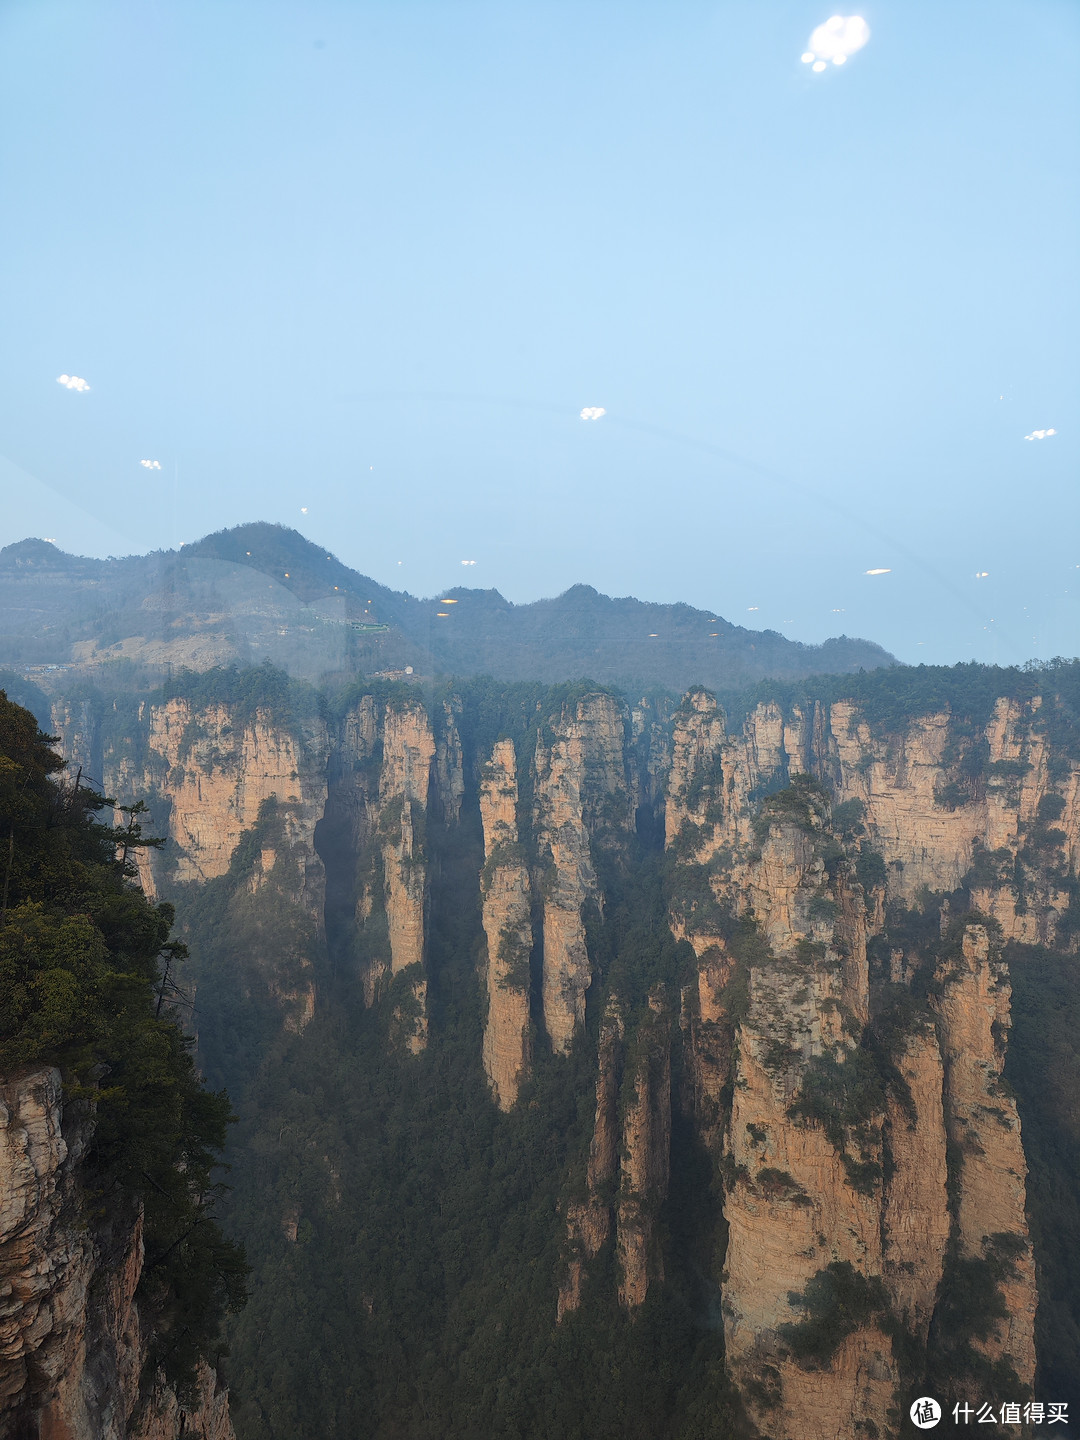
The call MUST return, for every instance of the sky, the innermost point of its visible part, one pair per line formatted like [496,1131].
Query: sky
[358,268]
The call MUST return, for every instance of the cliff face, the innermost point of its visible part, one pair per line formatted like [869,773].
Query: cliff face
[645,1159]
[626,1178]
[982,1122]
[581,790]
[824,980]
[588,1216]
[507,909]
[73,1343]
[835,1165]
[217,771]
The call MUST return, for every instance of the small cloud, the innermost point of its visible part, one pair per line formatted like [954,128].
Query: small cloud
[753,607]
[303,511]
[981,574]
[1040,434]
[593,412]
[467,562]
[879,572]
[150,464]
[72,382]
[839,37]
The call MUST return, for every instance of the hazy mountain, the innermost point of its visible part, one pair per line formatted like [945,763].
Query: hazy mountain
[263,592]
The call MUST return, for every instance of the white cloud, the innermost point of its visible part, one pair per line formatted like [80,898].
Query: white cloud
[72,382]
[981,574]
[303,511]
[150,464]
[839,37]
[1040,434]
[468,562]
[593,412]
[879,572]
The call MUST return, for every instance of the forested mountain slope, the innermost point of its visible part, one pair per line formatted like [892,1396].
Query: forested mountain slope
[621,1068]
[262,592]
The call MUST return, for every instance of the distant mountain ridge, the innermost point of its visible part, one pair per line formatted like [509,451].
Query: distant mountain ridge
[263,592]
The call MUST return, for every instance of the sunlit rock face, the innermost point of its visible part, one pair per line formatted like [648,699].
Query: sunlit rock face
[806,1190]
[854,1159]
[73,1343]
[581,788]
[982,1122]
[380,784]
[507,910]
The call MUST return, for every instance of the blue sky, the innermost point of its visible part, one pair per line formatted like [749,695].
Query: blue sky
[358,267]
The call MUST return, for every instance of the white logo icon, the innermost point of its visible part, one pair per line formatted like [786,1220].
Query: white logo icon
[925,1413]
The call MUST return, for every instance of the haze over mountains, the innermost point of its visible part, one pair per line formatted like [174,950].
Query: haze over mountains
[263,592]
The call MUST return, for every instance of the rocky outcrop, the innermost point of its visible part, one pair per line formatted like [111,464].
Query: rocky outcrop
[73,1343]
[588,1217]
[916,1210]
[507,919]
[626,1178]
[983,1124]
[645,1160]
[378,789]
[836,1174]
[943,802]
[581,795]
[802,1187]
[408,750]
[217,770]
[793,841]
[76,725]
[450,763]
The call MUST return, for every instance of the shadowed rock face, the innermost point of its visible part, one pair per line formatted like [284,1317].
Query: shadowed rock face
[589,1220]
[836,1146]
[73,1344]
[982,1122]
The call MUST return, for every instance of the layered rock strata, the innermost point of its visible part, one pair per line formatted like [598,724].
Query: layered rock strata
[73,1344]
